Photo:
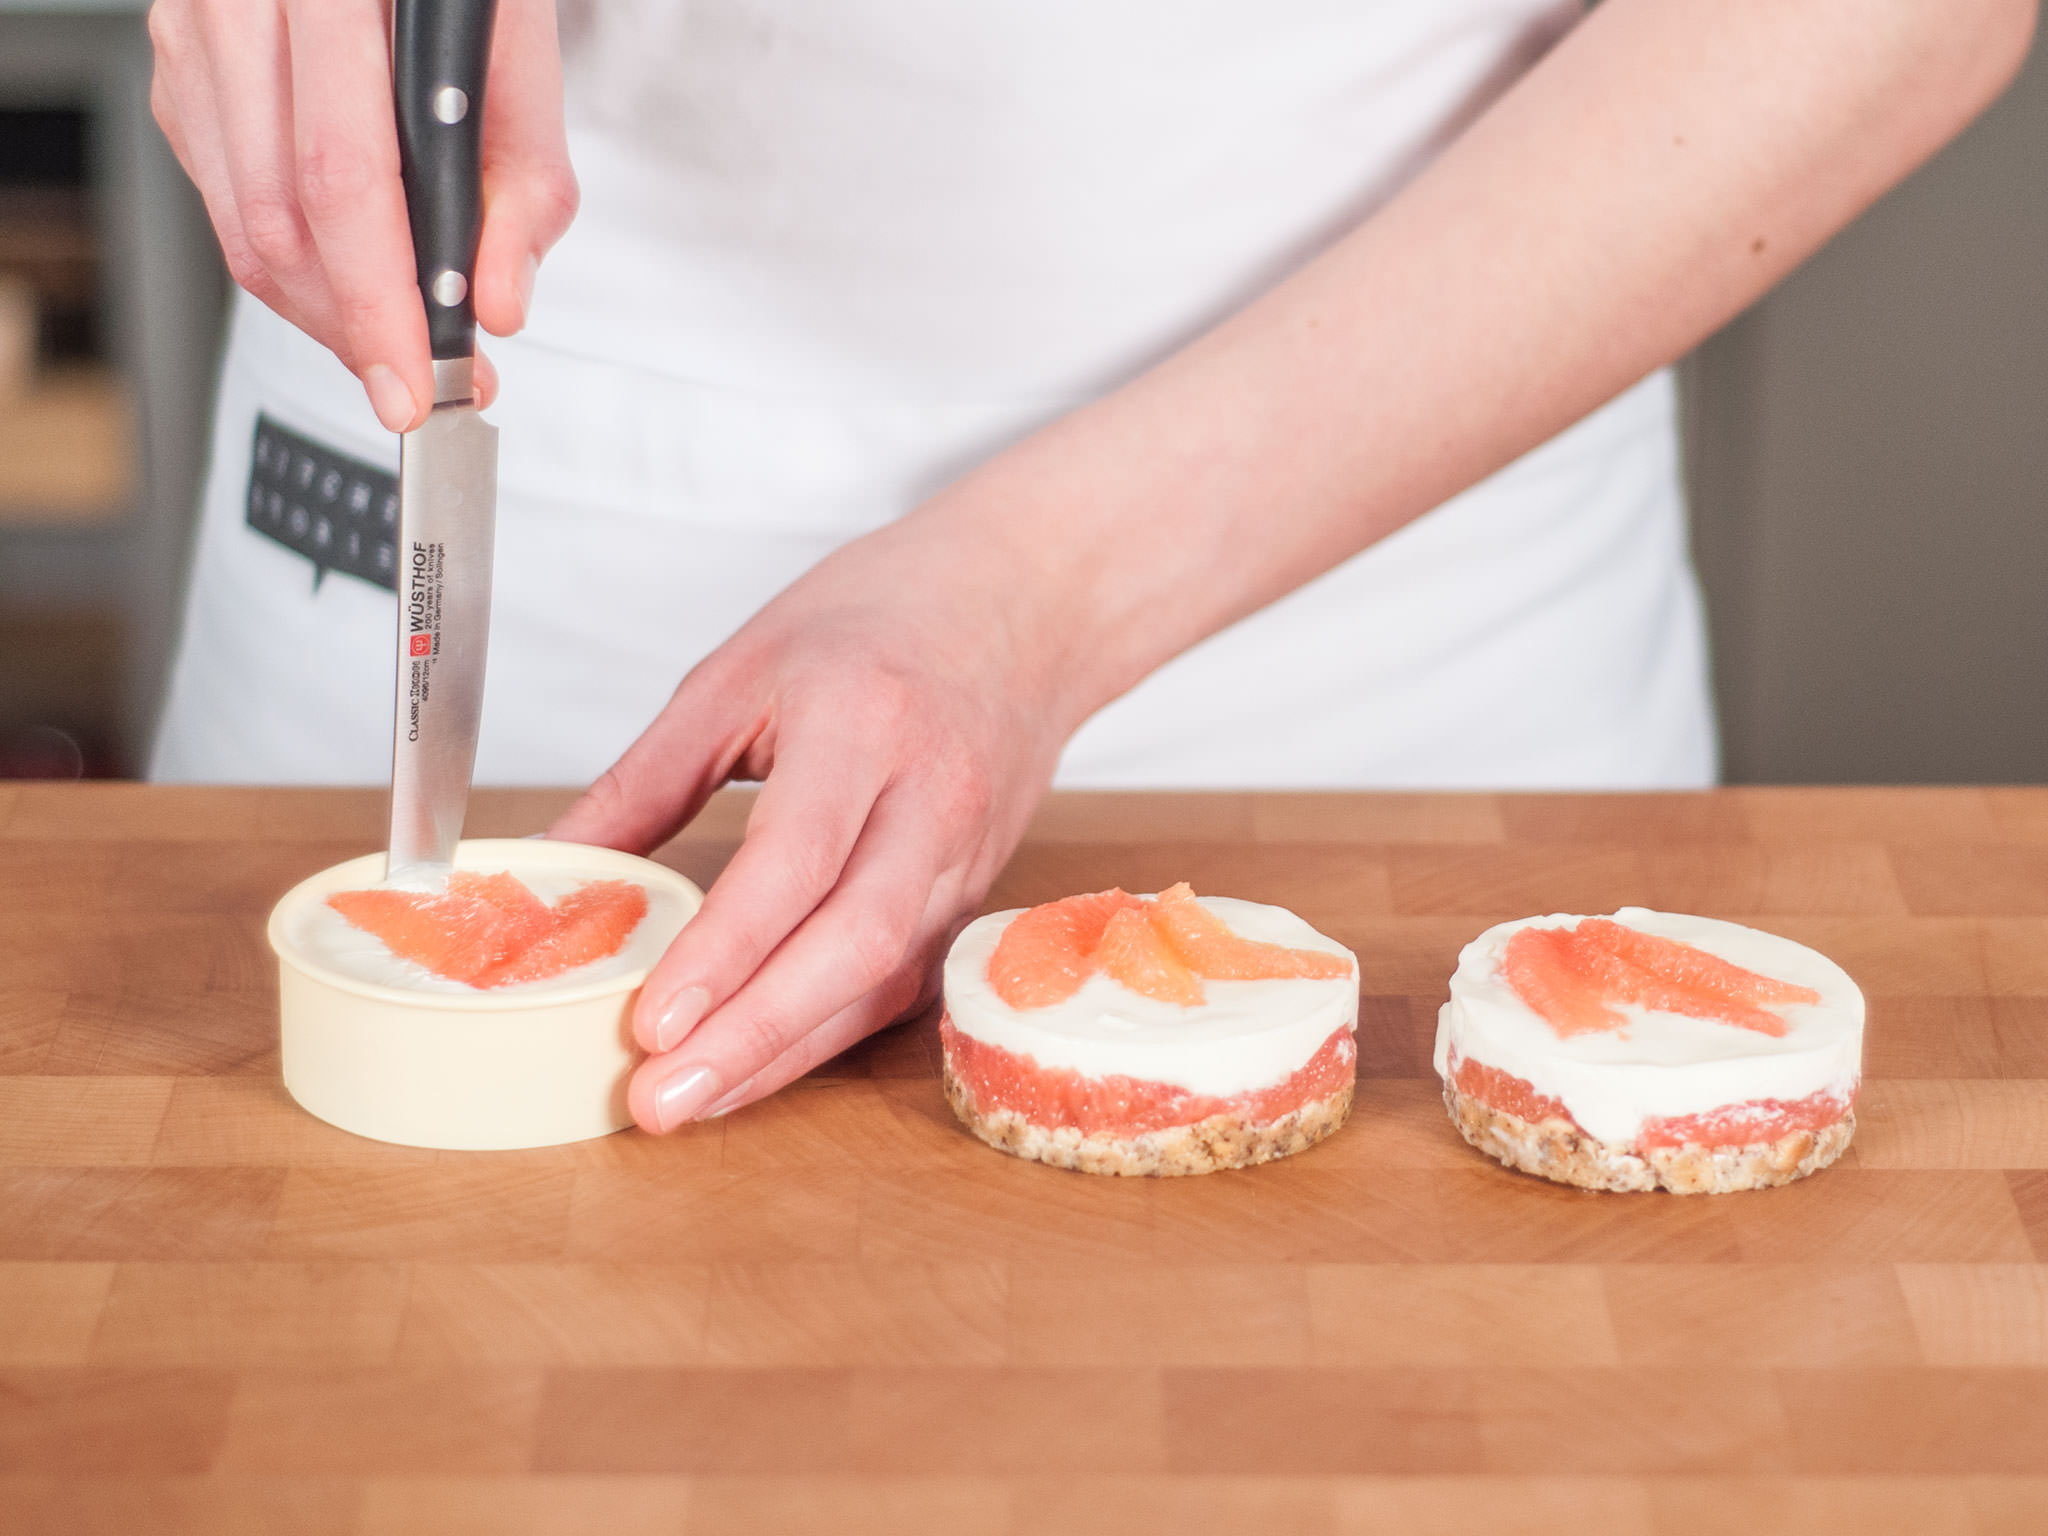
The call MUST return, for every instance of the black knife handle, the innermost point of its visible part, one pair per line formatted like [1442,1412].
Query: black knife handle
[440,52]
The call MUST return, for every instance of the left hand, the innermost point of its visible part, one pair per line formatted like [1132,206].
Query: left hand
[897,709]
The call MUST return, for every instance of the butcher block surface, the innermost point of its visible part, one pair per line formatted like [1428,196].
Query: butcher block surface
[836,1312]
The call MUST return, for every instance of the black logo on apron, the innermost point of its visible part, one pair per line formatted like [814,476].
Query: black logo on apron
[339,512]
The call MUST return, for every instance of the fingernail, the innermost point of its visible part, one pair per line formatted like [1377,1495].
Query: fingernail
[682,1096]
[680,1017]
[528,269]
[389,397]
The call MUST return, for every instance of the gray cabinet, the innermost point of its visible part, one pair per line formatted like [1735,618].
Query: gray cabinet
[161,293]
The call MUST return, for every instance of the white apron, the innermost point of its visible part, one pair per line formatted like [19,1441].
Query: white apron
[826,263]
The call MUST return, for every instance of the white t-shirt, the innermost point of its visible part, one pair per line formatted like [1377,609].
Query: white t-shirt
[826,263]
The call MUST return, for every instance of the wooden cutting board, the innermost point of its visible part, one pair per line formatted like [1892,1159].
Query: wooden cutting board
[836,1312]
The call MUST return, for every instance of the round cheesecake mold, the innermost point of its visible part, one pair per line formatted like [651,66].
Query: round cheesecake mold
[468,1070]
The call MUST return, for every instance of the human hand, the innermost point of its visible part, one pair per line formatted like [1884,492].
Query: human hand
[281,113]
[901,711]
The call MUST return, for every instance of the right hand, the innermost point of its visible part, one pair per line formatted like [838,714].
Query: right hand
[281,113]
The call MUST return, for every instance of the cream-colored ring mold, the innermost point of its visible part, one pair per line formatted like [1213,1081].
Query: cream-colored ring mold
[469,1071]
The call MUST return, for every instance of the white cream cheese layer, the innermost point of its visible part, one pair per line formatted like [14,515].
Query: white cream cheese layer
[327,937]
[1248,1035]
[1659,1065]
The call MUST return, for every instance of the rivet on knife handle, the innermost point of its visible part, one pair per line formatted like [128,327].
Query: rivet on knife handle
[440,54]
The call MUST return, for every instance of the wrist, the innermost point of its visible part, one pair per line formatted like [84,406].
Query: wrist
[1031,576]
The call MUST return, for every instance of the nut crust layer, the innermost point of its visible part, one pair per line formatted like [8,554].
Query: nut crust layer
[1221,1141]
[1557,1150]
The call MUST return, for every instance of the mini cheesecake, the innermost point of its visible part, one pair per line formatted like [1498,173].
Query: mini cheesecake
[1651,1050]
[486,1010]
[1128,1035]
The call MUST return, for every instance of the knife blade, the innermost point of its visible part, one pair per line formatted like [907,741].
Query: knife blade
[447,467]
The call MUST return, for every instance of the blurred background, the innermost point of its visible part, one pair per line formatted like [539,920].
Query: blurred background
[1867,447]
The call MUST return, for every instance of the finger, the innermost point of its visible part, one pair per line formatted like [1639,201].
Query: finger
[922,976]
[529,189]
[346,189]
[877,1011]
[800,835]
[486,384]
[168,52]
[854,946]
[181,96]
[676,764]
[250,73]
[663,1088]
[841,1032]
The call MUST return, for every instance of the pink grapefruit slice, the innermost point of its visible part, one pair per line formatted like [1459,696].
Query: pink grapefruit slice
[590,923]
[1690,967]
[1206,945]
[1541,967]
[491,931]
[452,935]
[1571,976]
[526,915]
[1134,952]
[1046,953]
[1161,947]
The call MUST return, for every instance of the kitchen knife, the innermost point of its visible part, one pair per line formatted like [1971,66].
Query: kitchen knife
[448,467]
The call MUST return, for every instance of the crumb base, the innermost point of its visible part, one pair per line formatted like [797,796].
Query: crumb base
[1208,1146]
[1559,1151]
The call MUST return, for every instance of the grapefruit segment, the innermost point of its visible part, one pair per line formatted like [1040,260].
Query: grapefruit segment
[491,931]
[1046,953]
[1206,945]
[1570,976]
[589,923]
[1160,947]
[1539,965]
[455,936]
[1134,952]
[1615,979]
[1689,967]
[526,915]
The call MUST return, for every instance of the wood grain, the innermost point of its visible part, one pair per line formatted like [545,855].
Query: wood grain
[837,1312]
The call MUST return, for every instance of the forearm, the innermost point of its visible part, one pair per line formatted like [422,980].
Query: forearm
[1665,164]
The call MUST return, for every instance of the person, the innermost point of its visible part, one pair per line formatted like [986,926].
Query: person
[954,396]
